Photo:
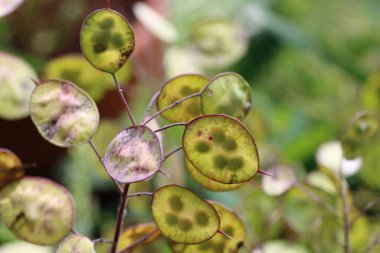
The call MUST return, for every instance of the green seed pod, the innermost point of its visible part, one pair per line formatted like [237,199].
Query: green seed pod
[182,216]
[221,148]
[63,113]
[37,210]
[177,88]
[227,93]
[135,154]
[107,40]
[76,244]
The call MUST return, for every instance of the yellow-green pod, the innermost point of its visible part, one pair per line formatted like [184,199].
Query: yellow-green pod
[134,233]
[37,210]
[135,154]
[227,93]
[221,148]
[76,244]
[182,216]
[107,40]
[230,224]
[363,126]
[75,68]
[179,87]
[63,113]
[10,167]
[206,182]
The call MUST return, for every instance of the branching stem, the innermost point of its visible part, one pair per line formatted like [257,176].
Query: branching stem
[121,94]
[169,126]
[369,206]
[102,240]
[120,189]
[316,198]
[171,153]
[372,244]
[119,222]
[138,194]
[171,106]
[152,100]
[346,211]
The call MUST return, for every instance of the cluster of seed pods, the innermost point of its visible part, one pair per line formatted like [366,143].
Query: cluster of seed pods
[220,153]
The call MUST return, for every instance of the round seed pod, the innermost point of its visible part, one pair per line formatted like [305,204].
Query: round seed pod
[206,182]
[227,93]
[230,224]
[107,40]
[63,113]
[135,154]
[76,244]
[10,167]
[16,86]
[182,216]
[221,148]
[179,87]
[37,210]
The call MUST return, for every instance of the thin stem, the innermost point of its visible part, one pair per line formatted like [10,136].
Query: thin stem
[171,153]
[152,100]
[163,173]
[120,189]
[346,211]
[74,231]
[119,222]
[107,4]
[373,244]
[316,198]
[102,240]
[171,106]
[169,126]
[226,235]
[121,94]
[138,194]
[369,206]
[139,241]
[263,172]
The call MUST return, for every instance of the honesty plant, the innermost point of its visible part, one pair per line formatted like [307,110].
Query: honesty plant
[220,153]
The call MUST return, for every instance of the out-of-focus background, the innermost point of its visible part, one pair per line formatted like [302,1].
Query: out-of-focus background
[311,66]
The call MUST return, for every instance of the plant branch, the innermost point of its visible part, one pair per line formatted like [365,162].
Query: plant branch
[369,206]
[315,197]
[171,153]
[171,106]
[138,194]
[169,126]
[102,240]
[119,222]
[120,189]
[152,100]
[121,94]
[346,211]
[139,241]
[373,244]
[107,4]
